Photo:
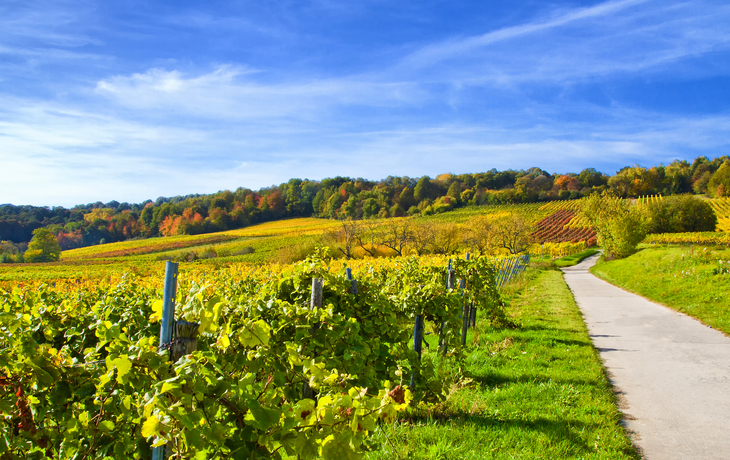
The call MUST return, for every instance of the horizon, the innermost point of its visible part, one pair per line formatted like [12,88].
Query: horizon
[125,102]
[273,186]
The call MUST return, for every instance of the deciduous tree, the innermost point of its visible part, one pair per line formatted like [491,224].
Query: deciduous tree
[43,247]
[620,226]
[512,232]
[396,234]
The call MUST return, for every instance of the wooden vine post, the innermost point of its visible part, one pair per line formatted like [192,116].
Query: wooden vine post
[353,283]
[315,303]
[450,275]
[465,313]
[417,347]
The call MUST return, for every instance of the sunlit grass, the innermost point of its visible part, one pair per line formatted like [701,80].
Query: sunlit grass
[574,259]
[690,279]
[537,392]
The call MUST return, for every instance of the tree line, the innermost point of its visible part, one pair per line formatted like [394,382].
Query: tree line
[347,198]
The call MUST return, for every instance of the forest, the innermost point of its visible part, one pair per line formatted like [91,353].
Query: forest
[347,198]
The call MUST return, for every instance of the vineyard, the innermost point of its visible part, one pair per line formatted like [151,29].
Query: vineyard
[556,221]
[560,230]
[561,227]
[721,206]
[701,238]
[264,238]
[649,199]
[147,246]
[82,376]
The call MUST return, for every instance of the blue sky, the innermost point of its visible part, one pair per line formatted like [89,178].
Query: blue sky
[130,100]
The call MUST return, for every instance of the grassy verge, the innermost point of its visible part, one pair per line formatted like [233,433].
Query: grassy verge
[538,391]
[575,259]
[690,279]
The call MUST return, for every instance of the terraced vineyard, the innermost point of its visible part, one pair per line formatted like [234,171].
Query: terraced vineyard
[721,206]
[564,225]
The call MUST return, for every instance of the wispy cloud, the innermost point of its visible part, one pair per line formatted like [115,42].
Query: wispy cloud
[227,92]
[611,38]
[130,127]
[438,52]
[50,23]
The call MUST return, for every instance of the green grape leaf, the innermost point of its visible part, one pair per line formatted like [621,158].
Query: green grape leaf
[106,426]
[337,447]
[260,417]
[305,446]
[151,427]
[206,322]
[168,385]
[127,402]
[217,310]
[44,378]
[6,407]
[156,311]
[122,364]
[295,358]
[254,334]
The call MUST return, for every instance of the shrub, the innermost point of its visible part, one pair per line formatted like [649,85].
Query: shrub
[207,253]
[680,214]
[619,225]
[243,252]
[297,252]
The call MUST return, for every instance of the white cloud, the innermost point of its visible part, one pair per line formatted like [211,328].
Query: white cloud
[167,131]
[58,156]
[230,92]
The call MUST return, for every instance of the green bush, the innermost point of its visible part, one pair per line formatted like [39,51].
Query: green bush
[679,214]
[619,225]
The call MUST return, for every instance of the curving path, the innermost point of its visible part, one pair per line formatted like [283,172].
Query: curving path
[671,372]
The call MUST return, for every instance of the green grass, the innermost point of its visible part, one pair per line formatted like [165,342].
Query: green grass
[537,392]
[684,278]
[569,261]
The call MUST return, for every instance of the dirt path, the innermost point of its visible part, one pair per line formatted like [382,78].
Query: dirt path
[672,371]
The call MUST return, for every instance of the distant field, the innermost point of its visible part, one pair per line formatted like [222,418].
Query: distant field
[225,242]
[143,257]
[264,242]
[144,246]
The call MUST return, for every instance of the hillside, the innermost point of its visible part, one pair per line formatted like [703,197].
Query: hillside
[289,240]
[346,198]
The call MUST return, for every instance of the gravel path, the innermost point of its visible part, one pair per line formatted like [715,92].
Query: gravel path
[671,372]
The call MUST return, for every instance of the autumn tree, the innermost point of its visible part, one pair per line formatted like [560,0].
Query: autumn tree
[480,234]
[512,233]
[719,183]
[396,234]
[367,235]
[446,238]
[43,247]
[425,189]
[346,237]
[423,237]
